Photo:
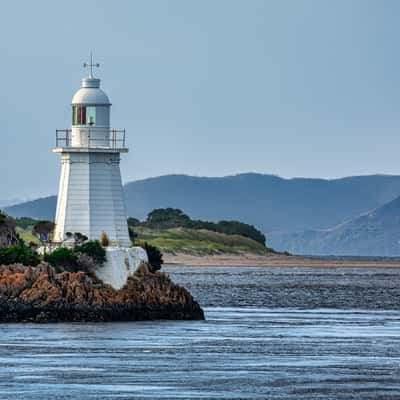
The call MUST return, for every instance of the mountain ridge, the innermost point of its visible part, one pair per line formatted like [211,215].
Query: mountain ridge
[267,201]
[375,233]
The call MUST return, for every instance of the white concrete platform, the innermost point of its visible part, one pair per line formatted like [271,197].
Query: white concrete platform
[122,262]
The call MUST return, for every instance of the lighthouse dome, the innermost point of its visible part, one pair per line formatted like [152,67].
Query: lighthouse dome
[90,93]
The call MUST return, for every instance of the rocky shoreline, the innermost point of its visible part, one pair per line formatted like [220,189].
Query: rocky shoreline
[39,294]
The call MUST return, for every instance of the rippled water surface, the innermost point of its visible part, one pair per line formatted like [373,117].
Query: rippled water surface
[269,334]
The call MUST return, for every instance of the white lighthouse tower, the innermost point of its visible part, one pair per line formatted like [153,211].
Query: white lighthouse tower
[90,197]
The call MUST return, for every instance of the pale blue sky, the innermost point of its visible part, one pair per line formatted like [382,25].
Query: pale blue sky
[294,88]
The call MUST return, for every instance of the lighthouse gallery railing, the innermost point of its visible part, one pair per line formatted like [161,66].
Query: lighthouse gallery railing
[115,139]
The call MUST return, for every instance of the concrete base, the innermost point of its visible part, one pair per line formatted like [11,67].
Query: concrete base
[121,263]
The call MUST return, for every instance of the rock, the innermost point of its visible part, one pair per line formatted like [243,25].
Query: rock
[39,294]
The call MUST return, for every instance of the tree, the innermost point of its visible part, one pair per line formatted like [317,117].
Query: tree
[155,256]
[79,238]
[240,228]
[42,229]
[8,234]
[62,258]
[165,218]
[25,222]
[132,234]
[133,221]
[94,249]
[18,254]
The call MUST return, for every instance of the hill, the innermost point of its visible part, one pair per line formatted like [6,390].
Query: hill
[43,208]
[376,233]
[269,202]
[198,242]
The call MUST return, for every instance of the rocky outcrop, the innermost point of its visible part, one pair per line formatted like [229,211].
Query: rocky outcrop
[39,294]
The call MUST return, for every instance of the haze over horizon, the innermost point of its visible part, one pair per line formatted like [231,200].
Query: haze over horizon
[294,89]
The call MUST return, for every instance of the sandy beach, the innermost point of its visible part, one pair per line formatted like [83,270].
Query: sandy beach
[275,260]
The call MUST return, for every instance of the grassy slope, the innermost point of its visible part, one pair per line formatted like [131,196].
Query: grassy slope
[198,242]
[27,236]
[182,240]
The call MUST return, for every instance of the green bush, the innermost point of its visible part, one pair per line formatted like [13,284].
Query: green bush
[93,249]
[133,221]
[166,218]
[62,257]
[79,238]
[154,255]
[18,254]
[3,217]
[8,234]
[132,234]
[42,229]
[25,222]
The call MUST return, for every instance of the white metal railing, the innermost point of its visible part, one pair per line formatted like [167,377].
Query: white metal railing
[91,138]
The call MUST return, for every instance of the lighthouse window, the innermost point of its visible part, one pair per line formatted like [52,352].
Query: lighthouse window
[83,115]
[74,116]
[90,116]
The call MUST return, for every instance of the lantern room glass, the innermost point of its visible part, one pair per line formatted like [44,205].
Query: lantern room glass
[82,115]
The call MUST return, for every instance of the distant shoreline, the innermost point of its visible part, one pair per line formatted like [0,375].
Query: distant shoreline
[275,260]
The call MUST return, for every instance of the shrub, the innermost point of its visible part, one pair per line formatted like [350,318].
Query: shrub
[86,263]
[132,234]
[104,240]
[18,254]
[79,238]
[2,217]
[94,250]
[154,255]
[8,235]
[165,218]
[133,221]
[240,228]
[25,222]
[43,229]
[62,257]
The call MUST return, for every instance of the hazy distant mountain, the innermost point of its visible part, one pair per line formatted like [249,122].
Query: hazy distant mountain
[269,202]
[9,202]
[376,233]
[43,208]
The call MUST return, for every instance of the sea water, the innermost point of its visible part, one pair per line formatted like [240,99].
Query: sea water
[269,333]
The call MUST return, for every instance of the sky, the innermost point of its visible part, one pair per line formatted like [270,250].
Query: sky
[208,88]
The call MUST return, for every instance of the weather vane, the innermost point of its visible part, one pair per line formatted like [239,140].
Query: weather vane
[91,65]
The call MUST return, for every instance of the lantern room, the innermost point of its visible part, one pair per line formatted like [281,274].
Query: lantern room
[90,105]
[90,115]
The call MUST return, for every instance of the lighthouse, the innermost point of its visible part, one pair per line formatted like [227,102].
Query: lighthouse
[90,197]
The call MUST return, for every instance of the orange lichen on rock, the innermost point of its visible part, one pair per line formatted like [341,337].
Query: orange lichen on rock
[40,294]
